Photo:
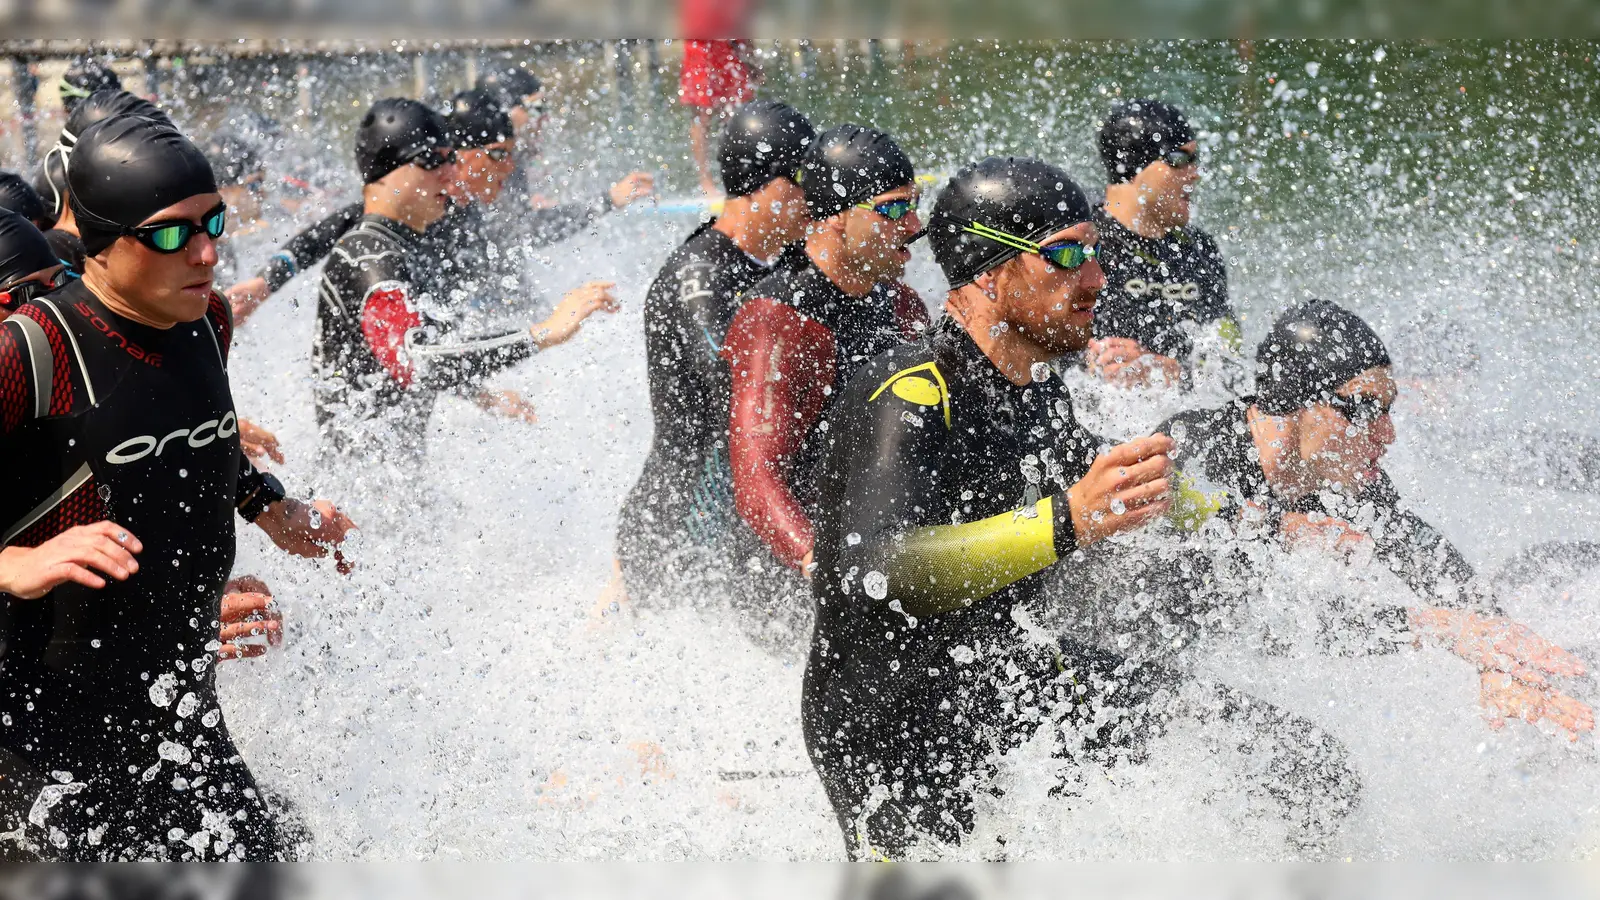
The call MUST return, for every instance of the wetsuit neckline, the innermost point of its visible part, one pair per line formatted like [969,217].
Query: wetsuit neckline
[1104,221]
[145,334]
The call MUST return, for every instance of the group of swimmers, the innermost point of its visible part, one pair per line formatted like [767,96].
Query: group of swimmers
[837,469]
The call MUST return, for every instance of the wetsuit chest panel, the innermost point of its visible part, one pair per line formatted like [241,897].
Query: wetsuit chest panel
[161,445]
[1155,286]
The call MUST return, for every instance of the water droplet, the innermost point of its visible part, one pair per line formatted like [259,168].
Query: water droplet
[174,753]
[183,473]
[164,690]
[1118,507]
[876,584]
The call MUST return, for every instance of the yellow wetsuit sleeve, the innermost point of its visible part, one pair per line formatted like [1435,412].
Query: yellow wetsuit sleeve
[945,567]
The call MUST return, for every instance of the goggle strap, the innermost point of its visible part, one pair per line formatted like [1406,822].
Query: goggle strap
[1000,237]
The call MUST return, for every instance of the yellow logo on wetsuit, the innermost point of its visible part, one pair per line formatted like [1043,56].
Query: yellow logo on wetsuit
[914,388]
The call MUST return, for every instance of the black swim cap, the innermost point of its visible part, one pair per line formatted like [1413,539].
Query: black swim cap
[477,118]
[394,132]
[233,159]
[23,250]
[848,164]
[1023,197]
[127,169]
[511,83]
[20,197]
[1311,351]
[762,141]
[83,78]
[103,105]
[1136,133]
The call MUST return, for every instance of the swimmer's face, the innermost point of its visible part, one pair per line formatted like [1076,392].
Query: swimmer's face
[165,288]
[425,192]
[1341,449]
[1164,191]
[1052,306]
[876,244]
[480,175]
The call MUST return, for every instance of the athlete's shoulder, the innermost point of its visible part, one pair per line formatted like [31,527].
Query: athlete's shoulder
[220,315]
[373,245]
[908,379]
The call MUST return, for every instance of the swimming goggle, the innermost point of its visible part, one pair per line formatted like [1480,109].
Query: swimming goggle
[430,158]
[1180,159]
[893,210]
[498,154]
[173,236]
[1361,410]
[1067,255]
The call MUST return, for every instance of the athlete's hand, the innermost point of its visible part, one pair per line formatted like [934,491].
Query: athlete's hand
[248,611]
[633,186]
[307,529]
[509,404]
[1301,529]
[1504,696]
[577,305]
[246,297]
[1125,489]
[1123,361]
[258,442]
[1492,643]
[74,555]
[808,565]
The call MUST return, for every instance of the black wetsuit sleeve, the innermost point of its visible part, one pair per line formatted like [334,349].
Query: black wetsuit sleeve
[415,349]
[307,248]
[705,309]
[1417,553]
[892,482]
[557,223]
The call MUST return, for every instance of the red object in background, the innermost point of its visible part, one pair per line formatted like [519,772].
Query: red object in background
[715,74]
[704,20]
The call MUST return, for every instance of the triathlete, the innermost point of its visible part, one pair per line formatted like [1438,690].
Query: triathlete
[18,196]
[123,473]
[1165,306]
[956,475]
[1302,460]
[797,338]
[101,105]
[525,227]
[388,341]
[681,505]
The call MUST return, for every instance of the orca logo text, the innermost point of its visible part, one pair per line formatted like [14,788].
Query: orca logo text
[135,449]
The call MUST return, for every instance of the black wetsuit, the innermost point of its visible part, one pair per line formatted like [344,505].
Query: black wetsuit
[387,341]
[1216,444]
[104,418]
[1158,289]
[682,504]
[942,503]
[463,228]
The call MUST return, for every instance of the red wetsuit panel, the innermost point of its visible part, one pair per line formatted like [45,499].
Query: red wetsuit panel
[781,362]
[385,319]
[910,313]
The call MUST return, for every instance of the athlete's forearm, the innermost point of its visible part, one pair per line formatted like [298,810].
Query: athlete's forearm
[937,569]
[454,361]
[307,248]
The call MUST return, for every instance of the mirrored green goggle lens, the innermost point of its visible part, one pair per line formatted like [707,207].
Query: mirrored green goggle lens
[1068,254]
[892,209]
[171,238]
